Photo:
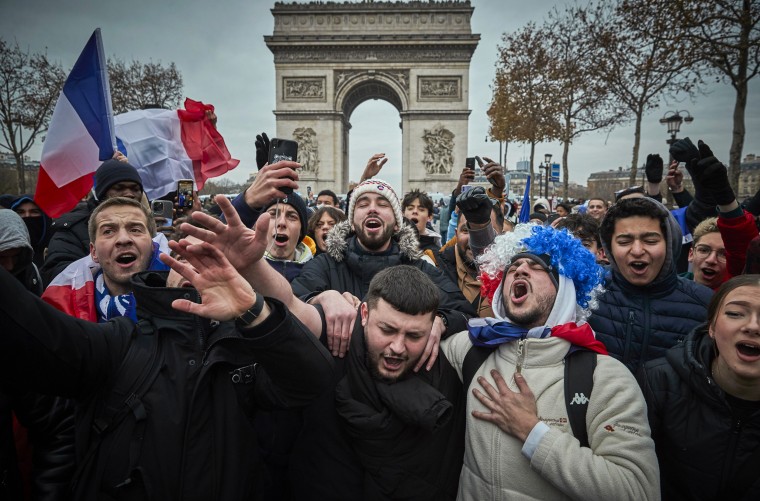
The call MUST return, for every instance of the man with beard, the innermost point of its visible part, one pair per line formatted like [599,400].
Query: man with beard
[373,238]
[521,441]
[385,431]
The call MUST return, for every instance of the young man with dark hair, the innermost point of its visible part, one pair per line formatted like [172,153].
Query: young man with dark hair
[386,431]
[586,229]
[647,308]
[596,208]
[418,208]
[327,197]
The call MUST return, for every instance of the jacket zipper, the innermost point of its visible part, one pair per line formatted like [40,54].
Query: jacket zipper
[520,355]
[628,335]
[728,466]
[645,340]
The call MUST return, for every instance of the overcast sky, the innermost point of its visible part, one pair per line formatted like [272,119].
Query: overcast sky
[219,48]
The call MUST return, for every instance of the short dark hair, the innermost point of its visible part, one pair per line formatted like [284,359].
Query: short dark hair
[720,295]
[407,288]
[582,226]
[329,193]
[92,225]
[334,213]
[423,198]
[631,207]
[604,202]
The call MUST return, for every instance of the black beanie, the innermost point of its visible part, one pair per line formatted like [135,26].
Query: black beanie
[111,172]
[544,260]
[295,201]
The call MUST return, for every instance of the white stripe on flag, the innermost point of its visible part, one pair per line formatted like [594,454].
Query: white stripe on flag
[68,145]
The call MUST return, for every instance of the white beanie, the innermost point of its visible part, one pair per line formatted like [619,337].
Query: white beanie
[381,188]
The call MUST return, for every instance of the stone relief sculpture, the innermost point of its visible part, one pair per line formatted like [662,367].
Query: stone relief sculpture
[304,88]
[439,87]
[308,149]
[439,150]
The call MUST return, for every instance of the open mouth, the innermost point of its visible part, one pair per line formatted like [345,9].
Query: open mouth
[281,238]
[127,258]
[519,291]
[393,363]
[709,273]
[639,266]
[748,350]
[372,224]
[414,220]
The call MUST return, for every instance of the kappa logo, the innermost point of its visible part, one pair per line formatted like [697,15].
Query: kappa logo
[579,399]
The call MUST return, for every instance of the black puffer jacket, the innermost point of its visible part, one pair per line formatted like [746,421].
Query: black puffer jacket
[198,443]
[69,242]
[640,323]
[346,267]
[703,446]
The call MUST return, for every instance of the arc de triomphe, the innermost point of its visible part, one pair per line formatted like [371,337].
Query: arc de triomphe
[332,56]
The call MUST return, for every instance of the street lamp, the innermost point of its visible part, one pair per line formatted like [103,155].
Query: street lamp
[547,168]
[674,119]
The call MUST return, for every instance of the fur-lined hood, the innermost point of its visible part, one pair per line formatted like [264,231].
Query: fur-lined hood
[336,241]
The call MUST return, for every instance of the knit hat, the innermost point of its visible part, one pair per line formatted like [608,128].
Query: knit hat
[381,188]
[295,201]
[111,172]
[557,251]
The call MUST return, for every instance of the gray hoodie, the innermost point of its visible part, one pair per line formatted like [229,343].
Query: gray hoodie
[14,235]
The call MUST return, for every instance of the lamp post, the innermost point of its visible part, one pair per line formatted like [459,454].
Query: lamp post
[674,119]
[501,143]
[547,169]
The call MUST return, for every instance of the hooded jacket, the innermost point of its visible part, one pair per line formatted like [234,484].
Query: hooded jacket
[14,235]
[620,462]
[198,443]
[640,323]
[703,445]
[39,230]
[347,267]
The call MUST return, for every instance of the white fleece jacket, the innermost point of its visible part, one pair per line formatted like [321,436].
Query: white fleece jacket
[621,463]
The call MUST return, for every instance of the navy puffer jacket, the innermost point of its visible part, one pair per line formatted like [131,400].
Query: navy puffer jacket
[640,323]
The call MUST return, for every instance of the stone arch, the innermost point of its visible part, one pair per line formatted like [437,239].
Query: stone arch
[332,56]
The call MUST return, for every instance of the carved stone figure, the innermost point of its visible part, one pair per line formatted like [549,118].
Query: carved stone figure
[303,88]
[439,150]
[308,149]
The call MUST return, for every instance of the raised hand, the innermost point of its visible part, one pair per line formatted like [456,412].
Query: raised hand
[262,150]
[475,205]
[654,168]
[242,246]
[495,175]
[225,294]
[374,165]
[270,181]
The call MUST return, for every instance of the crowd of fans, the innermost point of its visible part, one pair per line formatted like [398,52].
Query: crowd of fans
[382,346]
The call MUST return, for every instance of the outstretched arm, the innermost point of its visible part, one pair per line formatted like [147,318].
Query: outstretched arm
[244,248]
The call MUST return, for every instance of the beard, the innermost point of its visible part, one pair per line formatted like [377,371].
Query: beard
[533,316]
[374,242]
[466,258]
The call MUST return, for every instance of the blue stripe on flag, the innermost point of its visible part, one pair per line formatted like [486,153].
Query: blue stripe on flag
[86,89]
[525,208]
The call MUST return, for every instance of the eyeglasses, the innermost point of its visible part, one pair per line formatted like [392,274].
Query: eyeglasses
[704,252]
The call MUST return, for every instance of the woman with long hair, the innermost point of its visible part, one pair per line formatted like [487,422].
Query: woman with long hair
[321,222]
[703,399]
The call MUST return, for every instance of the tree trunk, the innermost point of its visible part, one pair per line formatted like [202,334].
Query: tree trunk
[737,140]
[636,144]
[21,174]
[565,171]
[532,178]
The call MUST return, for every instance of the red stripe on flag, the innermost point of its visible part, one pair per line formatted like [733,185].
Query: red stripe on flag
[203,143]
[55,201]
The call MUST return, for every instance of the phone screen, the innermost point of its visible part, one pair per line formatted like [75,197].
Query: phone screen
[470,163]
[184,194]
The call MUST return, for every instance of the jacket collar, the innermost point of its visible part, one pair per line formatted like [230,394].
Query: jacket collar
[338,237]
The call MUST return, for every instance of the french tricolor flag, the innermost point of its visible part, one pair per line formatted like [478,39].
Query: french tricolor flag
[80,135]
[167,145]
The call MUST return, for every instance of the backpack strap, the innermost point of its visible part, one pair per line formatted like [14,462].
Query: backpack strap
[136,374]
[474,358]
[579,381]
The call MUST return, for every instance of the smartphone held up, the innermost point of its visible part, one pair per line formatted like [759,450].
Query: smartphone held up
[283,149]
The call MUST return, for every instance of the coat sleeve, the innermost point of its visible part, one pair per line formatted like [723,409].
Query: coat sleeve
[46,351]
[621,463]
[293,367]
[64,248]
[452,303]
[313,279]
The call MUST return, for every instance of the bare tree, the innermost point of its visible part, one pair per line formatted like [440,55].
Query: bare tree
[137,85]
[724,35]
[29,88]
[584,100]
[639,69]
[523,108]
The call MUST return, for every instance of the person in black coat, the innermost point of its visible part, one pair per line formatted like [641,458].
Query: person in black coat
[197,440]
[703,400]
